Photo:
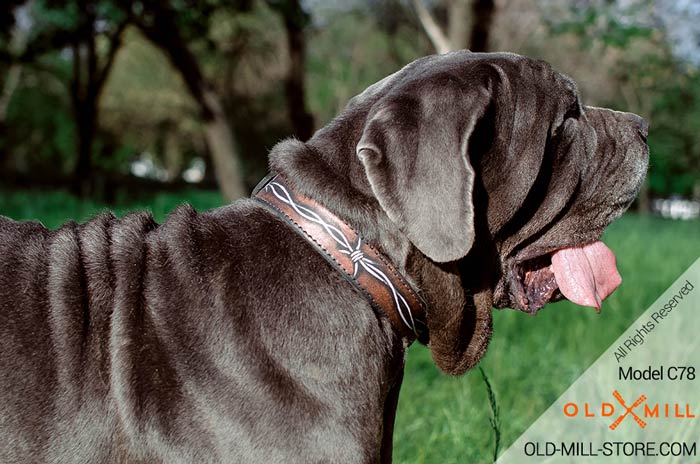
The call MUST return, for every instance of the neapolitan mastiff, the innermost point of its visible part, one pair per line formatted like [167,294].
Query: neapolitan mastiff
[461,182]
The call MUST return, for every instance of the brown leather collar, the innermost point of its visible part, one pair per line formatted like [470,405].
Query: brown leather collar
[360,263]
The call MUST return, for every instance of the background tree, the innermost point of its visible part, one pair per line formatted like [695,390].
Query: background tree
[642,75]
[456,34]
[295,21]
[13,40]
[78,27]
[169,27]
[90,74]
[96,85]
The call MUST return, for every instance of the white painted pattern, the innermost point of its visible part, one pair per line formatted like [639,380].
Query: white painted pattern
[359,260]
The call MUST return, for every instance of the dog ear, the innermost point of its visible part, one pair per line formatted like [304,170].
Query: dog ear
[415,155]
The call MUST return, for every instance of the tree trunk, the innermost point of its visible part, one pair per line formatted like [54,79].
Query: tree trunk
[86,87]
[455,39]
[172,153]
[222,149]
[85,91]
[483,11]
[11,82]
[9,87]
[164,33]
[86,115]
[17,45]
[457,24]
[295,19]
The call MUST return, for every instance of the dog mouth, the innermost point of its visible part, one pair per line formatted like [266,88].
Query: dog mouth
[535,284]
[585,275]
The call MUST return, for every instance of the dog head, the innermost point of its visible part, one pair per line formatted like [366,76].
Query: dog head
[495,151]
[501,180]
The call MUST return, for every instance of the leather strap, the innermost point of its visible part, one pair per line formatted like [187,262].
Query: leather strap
[370,271]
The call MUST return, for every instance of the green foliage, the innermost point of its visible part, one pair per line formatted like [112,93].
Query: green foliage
[675,140]
[242,50]
[41,132]
[367,55]
[54,14]
[650,82]
[143,101]
[56,24]
[194,18]
[604,22]
[8,20]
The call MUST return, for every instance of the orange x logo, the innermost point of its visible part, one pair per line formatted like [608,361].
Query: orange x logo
[628,410]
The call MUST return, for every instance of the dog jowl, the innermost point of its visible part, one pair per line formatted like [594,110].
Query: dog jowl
[227,336]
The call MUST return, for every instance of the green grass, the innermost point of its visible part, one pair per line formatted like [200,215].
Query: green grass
[53,208]
[531,360]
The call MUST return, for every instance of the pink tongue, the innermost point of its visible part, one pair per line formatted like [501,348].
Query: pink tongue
[587,274]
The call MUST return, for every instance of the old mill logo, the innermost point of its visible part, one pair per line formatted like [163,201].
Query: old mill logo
[640,410]
[628,410]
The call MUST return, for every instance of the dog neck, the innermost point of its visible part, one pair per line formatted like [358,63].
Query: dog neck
[359,262]
[458,301]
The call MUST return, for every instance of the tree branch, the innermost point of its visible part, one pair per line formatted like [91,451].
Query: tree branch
[75,83]
[162,30]
[437,37]
[49,40]
[115,42]
[11,83]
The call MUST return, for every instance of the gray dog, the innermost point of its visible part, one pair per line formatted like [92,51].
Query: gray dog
[226,337]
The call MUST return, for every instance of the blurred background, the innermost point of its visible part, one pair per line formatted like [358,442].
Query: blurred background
[126,104]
